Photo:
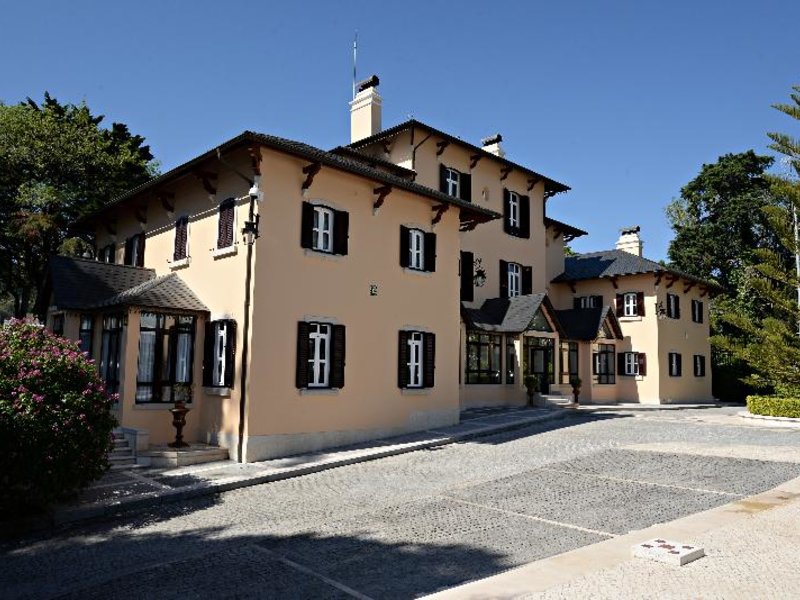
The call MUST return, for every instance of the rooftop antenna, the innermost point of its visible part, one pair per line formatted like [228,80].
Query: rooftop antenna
[355,55]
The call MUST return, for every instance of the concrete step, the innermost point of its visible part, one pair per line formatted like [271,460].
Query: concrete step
[125,467]
[120,443]
[119,459]
[121,452]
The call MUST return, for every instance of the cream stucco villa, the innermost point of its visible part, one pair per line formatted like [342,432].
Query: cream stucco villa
[299,298]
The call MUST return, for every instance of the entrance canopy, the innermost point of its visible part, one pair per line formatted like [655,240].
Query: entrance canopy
[532,312]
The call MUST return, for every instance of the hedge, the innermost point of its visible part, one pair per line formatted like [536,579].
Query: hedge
[774,406]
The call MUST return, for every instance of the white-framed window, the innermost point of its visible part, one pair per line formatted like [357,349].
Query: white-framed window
[631,363]
[513,210]
[415,359]
[453,183]
[416,248]
[319,338]
[322,232]
[588,302]
[514,280]
[220,354]
[631,304]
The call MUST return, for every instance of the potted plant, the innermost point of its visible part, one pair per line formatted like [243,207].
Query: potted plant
[575,382]
[531,387]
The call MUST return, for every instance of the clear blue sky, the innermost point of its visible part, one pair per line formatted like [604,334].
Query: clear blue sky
[623,101]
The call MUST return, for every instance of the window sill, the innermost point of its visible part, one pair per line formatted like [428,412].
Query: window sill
[629,319]
[323,255]
[223,252]
[418,272]
[180,264]
[217,391]
[415,391]
[319,391]
[158,405]
[497,383]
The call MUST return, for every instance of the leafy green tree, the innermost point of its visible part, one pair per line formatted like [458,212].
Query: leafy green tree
[56,164]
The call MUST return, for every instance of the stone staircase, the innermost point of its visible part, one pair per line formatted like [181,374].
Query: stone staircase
[121,456]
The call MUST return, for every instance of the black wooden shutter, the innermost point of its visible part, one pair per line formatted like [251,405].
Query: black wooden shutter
[503,279]
[677,306]
[429,359]
[307,226]
[678,362]
[430,252]
[621,363]
[597,301]
[525,217]
[702,366]
[208,355]
[140,250]
[576,302]
[128,257]
[595,361]
[527,280]
[181,237]
[620,305]
[405,243]
[507,211]
[467,276]
[442,179]
[640,303]
[225,228]
[466,186]
[341,231]
[230,352]
[642,364]
[699,312]
[338,347]
[402,360]
[301,373]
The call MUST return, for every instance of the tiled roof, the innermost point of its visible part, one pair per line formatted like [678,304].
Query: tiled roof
[508,315]
[305,151]
[616,263]
[550,183]
[80,283]
[570,232]
[583,324]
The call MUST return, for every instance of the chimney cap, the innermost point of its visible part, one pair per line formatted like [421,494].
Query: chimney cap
[630,230]
[492,139]
[369,82]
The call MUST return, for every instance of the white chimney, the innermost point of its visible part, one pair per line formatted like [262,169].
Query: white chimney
[492,144]
[629,240]
[365,110]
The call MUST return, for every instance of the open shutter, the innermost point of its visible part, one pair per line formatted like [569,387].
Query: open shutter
[640,303]
[307,226]
[620,304]
[430,252]
[128,257]
[405,241]
[230,352]
[442,179]
[677,306]
[678,363]
[140,250]
[525,216]
[402,360]
[225,228]
[506,211]
[595,361]
[527,280]
[428,359]
[642,364]
[503,279]
[341,232]
[699,312]
[576,302]
[181,238]
[338,356]
[467,276]
[597,301]
[466,186]
[621,363]
[702,366]
[301,373]
[208,355]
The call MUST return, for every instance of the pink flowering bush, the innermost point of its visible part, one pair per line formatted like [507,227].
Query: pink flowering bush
[55,419]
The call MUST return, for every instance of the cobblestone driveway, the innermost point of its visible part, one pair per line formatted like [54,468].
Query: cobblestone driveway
[412,524]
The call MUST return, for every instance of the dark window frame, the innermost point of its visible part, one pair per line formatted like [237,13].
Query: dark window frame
[111,337]
[493,343]
[604,365]
[86,334]
[569,350]
[168,329]
[57,327]
[510,359]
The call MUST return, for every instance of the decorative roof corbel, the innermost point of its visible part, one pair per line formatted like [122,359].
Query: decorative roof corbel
[473,160]
[255,159]
[439,209]
[614,282]
[310,171]
[441,145]
[532,181]
[206,178]
[381,193]
[689,286]
[167,200]
[504,172]
[671,279]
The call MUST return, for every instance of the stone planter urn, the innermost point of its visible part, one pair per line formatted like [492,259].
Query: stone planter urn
[575,382]
[182,392]
[532,388]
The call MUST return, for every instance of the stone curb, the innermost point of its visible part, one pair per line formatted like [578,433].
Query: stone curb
[770,420]
[100,510]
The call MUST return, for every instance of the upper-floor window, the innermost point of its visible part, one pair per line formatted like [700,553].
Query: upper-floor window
[324,229]
[417,249]
[630,304]
[134,250]
[219,353]
[516,214]
[225,230]
[673,306]
[674,364]
[697,311]
[320,355]
[515,279]
[587,302]
[181,250]
[455,183]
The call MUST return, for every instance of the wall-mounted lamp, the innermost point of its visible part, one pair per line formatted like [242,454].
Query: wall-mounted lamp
[250,231]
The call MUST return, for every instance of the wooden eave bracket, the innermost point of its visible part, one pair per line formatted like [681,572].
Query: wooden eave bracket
[671,279]
[572,287]
[140,212]
[111,227]
[387,146]
[689,286]
[381,193]
[703,291]
[441,145]
[556,233]
[167,201]
[532,181]
[473,160]
[439,209]
[255,159]
[206,178]
[614,282]
[310,171]
[504,172]
[658,275]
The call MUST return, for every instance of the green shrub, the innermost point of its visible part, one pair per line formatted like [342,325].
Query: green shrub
[55,419]
[774,406]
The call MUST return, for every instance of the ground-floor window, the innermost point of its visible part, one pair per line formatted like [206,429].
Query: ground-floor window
[416,356]
[632,364]
[484,355]
[58,324]
[699,365]
[569,360]
[603,366]
[219,353]
[674,363]
[511,359]
[540,360]
[110,352]
[166,356]
[86,333]
[320,355]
